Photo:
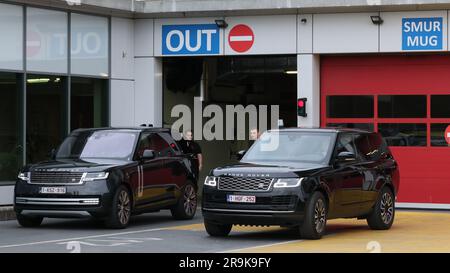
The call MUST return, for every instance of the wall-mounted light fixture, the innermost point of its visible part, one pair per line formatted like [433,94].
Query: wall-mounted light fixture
[221,23]
[376,19]
[303,20]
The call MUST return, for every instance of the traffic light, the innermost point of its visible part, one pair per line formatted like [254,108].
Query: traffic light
[301,107]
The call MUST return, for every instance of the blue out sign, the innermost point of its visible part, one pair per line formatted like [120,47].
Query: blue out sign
[195,39]
[422,33]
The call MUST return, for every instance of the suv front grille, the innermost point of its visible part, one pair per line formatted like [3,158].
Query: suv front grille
[244,183]
[56,177]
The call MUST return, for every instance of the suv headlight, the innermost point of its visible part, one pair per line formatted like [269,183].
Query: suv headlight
[95,176]
[24,176]
[288,182]
[211,181]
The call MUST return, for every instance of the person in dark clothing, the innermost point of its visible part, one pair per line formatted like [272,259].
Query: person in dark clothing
[189,146]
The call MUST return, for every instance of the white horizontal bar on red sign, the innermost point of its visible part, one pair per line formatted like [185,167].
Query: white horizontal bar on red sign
[241,38]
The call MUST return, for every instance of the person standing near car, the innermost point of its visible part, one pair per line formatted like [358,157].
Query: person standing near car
[189,146]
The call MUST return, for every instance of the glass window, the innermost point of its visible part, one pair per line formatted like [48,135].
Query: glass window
[346,144]
[362,126]
[438,134]
[350,106]
[105,144]
[290,147]
[402,106]
[153,141]
[363,146]
[109,144]
[377,146]
[440,106]
[89,45]
[10,141]
[46,40]
[46,115]
[397,134]
[11,31]
[88,103]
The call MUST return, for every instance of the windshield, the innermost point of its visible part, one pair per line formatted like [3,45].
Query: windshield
[308,147]
[99,144]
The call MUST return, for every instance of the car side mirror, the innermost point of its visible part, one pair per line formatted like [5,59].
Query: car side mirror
[148,154]
[240,154]
[344,157]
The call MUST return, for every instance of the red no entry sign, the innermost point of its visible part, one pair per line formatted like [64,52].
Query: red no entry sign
[447,134]
[241,38]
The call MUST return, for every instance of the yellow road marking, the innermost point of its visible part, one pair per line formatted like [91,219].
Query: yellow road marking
[411,232]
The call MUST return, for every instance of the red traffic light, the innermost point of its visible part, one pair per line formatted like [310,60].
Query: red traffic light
[301,107]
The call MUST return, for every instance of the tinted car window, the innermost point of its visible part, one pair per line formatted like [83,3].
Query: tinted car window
[153,141]
[345,144]
[377,146]
[171,142]
[363,147]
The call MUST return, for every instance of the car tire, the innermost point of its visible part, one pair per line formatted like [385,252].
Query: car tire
[186,206]
[29,221]
[120,213]
[314,223]
[217,230]
[383,212]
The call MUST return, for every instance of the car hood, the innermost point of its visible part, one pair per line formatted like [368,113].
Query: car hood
[269,169]
[77,165]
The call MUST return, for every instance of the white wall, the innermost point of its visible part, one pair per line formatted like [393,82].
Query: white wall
[136,77]
[276,34]
[148,91]
[122,103]
[305,33]
[6,195]
[122,72]
[148,103]
[391,29]
[308,86]
[143,31]
[122,48]
[345,33]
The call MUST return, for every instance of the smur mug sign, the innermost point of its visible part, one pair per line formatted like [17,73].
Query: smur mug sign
[422,33]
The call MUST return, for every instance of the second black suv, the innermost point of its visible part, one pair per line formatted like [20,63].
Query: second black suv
[109,174]
[301,178]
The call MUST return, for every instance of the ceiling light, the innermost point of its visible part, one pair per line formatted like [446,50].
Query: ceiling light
[40,80]
[290,72]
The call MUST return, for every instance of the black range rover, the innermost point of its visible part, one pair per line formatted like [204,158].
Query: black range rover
[302,177]
[109,174]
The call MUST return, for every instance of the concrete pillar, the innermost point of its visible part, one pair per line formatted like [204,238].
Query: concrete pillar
[122,72]
[308,86]
[148,91]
